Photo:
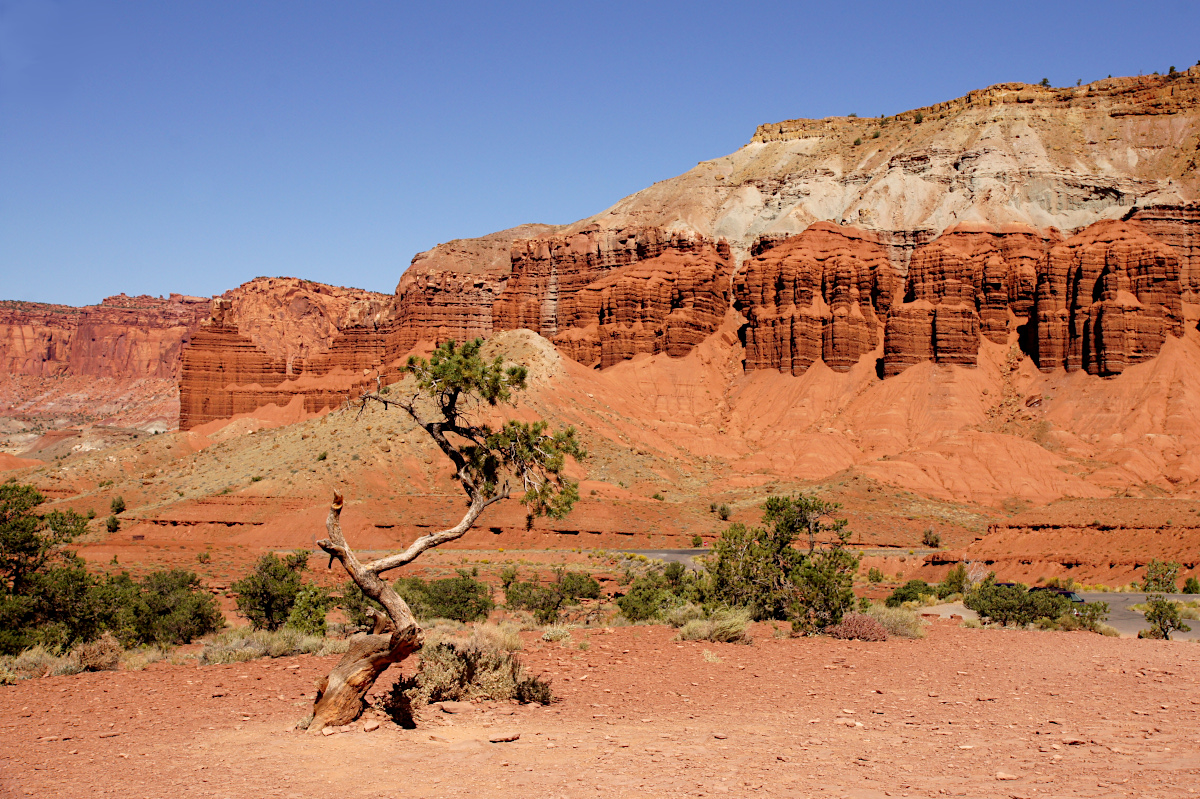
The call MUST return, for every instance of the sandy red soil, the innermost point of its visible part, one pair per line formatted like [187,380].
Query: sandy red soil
[962,713]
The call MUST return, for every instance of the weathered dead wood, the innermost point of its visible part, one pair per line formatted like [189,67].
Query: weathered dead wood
[395,634]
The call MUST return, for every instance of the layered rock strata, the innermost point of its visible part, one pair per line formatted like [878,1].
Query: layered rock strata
[819,295]
[122,337]
[1108,298]
[973,281]
[668,303]
[1179,227]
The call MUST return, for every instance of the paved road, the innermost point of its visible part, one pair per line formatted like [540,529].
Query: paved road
[684,556]
[1129,621]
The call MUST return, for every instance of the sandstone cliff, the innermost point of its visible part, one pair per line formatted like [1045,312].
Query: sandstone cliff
[1108,298]
[124,337]
[819,295]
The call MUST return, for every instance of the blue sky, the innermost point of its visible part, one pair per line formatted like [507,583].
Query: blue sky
[152,147]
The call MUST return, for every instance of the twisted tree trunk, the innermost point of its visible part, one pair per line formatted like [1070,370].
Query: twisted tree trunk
[396,633]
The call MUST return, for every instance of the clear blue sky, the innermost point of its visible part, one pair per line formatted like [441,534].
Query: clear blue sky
[150,147]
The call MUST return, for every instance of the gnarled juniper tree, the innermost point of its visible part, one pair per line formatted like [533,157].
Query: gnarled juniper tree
[447,396]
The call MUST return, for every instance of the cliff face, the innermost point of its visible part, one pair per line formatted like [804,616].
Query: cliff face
[1108,298]
[122,337]
[668,303]
[819,295]
[277,338]
[1008,154]
[970,282]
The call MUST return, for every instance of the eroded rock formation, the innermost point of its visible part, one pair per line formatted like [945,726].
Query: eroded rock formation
[1107,299]
[668,303]
[972,281]
[122,337]
[821,294]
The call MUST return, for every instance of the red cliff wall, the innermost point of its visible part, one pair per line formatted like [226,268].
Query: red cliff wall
[972,281]
[1108,298]
[821,294]
[122,337]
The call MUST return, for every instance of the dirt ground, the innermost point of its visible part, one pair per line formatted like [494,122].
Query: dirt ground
[963,712]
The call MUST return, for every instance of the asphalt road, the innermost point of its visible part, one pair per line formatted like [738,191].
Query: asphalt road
[1128,621]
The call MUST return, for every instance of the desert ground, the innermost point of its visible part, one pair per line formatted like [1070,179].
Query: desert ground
[963,712]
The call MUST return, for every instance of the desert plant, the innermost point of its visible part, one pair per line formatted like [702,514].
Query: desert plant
[648,596]
[658,496]
[465,671]
[322,455]
[556,632]
[698,542]
[1191,586]
[957,581]
[874,575]
[266,595]
[308,610]
[103,654]
[725,625]
[117,506]
[203,557]
[682,614]
[919,118]
[506,636]
[1164,618]
[112,524]
[913,590]
[899,622]
[449,397]
[723,512]
[173,608]
[858,141]
[1160,576]
[1012,604]
[245,643]
[930,538]
[858,627]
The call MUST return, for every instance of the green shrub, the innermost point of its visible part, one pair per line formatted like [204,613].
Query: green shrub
[760,568]
[858,141]
[957,581]
[648,596]
[913,590]
[919,118]
[322,455]
[698,542]
[577,585]
[1191,586]
[657,495]
[874,575]
[462,598]
[117,506]
[723,512]
[1011,604]
[1164,618]
[931,539]
[174,608]
[266,595]
[307,615]
[1160,577]
[112,524]
[546,601]
[203,557]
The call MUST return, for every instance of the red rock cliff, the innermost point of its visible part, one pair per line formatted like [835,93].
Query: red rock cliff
[122,337]
[1108,298]
[972,281]
[276,338]
[821,294]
